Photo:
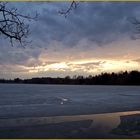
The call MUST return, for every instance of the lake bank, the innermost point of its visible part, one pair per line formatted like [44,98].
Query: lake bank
[107,125]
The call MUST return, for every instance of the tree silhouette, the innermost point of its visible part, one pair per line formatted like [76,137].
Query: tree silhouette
[12,24]
[72,6]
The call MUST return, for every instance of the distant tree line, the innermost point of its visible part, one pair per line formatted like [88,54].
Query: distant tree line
[121,78]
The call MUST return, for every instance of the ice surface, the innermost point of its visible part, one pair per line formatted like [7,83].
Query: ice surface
[20,100]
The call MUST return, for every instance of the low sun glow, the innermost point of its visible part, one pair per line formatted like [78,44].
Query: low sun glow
[90,67]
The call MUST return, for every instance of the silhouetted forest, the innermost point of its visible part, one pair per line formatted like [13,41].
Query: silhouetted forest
[121,78]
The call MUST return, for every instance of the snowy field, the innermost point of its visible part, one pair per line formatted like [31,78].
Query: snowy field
[20,100]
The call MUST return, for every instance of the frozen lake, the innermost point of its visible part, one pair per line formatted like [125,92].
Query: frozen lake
[21,100]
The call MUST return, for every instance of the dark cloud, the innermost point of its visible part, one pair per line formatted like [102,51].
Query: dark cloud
[101,22]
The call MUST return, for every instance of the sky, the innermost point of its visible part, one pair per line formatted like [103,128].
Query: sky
[94,38]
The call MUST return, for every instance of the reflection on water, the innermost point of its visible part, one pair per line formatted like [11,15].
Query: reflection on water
[108,125]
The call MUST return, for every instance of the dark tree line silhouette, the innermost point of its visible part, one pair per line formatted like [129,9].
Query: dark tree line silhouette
[121,78]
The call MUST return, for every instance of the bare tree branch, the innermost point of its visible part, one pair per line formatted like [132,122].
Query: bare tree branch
[72,6]
[12,24]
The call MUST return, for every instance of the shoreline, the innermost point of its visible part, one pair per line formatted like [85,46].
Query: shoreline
[76,126]
[67,84]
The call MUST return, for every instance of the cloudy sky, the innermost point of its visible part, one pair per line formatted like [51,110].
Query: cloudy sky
[94,38]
